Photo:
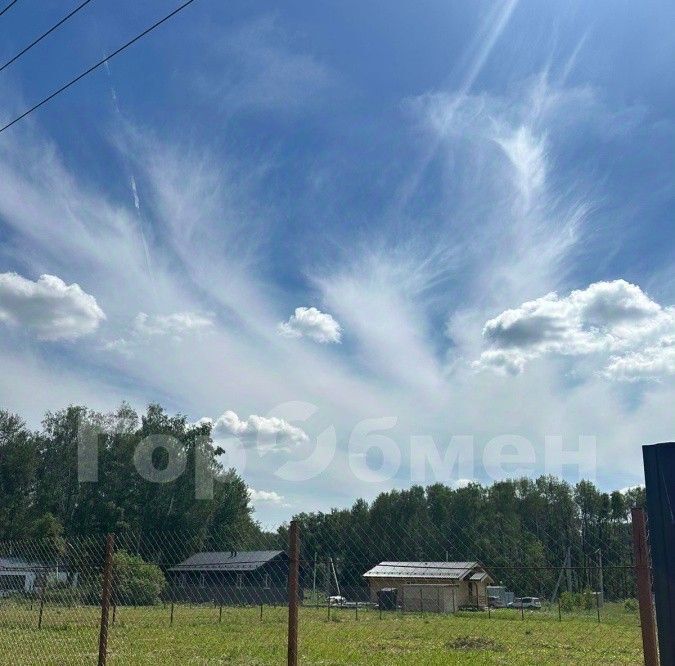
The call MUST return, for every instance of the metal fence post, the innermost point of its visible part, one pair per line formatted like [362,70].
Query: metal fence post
[106,587]
[293,593]
[43,589]
[645,599]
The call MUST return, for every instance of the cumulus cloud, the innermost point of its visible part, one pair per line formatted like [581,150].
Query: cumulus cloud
[175,324]
[651,363]
[269,432]
[264,496]
[615,318]
[49,307]
[311,323]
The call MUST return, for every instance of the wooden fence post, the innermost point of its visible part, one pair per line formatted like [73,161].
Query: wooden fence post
[644,586]
[106,587]
[293,593]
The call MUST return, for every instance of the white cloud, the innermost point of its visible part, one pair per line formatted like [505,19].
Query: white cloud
[506,223]
[311,323]
[527,154]
[176,324]
[614,317]
[145,327]
[264,496]
[119,345]
[652,363]
[267,431]
[49,307]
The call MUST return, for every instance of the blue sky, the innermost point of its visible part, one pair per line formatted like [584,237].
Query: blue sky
[475,198]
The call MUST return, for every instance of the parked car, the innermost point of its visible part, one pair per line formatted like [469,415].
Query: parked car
[337,601]
[496,602]
[531,603]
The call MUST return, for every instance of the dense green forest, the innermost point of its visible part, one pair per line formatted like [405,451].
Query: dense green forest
[522,530]
[41,497]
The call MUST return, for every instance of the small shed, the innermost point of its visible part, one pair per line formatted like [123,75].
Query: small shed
[443,585]
[22,576]
[234,577]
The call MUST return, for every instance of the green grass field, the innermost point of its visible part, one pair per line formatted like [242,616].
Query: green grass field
[199,636]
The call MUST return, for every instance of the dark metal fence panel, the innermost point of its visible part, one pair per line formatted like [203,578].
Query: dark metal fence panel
[659,461]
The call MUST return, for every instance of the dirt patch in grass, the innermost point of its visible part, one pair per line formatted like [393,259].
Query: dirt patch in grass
[471,643]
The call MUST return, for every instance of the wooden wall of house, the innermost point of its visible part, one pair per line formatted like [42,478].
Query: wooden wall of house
[228,595]
[465,596]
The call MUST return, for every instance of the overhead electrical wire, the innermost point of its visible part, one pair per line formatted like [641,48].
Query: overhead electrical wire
[96,66]
[9,6]
[44,34]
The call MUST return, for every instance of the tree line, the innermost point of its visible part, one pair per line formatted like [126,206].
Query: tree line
[523,531]
[42,498]
[533,535]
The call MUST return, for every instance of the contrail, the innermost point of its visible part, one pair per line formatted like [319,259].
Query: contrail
[134,191]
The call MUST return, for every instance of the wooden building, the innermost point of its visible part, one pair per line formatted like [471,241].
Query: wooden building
[440,586]
[231,577]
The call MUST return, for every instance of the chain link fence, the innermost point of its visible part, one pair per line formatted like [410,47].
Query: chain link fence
[376,594]
[392,594]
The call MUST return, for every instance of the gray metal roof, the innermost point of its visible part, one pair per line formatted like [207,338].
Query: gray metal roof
[481,575]
[243,560]
[11,563]
[441,570]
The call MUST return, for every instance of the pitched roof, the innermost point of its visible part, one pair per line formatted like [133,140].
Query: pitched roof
[9,564]
[242,560]
[12,563]
[480,575]
[441,570]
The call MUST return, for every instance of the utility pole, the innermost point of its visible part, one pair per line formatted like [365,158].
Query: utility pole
[337,584]
[314,579]
[568,570]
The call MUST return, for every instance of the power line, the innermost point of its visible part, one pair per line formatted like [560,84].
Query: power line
[42,36]
[97,65]
[11,4]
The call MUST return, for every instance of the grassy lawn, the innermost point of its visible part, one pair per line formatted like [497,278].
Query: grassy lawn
[199,636]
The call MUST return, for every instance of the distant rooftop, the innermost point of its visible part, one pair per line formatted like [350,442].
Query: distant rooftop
[441,570]
[242,560]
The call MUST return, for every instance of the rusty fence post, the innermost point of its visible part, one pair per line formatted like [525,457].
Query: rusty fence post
[645,599]
[106,588]
[293,593]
